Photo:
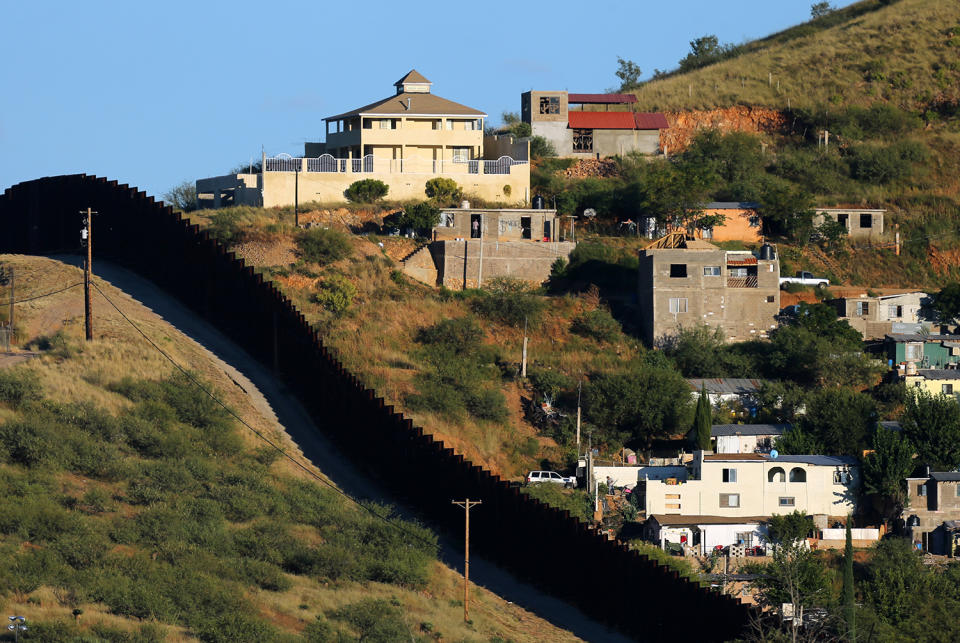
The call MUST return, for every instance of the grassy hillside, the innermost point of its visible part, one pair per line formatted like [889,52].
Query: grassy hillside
[137,509]
[906,52]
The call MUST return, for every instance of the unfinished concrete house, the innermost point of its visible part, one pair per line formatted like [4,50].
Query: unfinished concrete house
[685,282]
[876,317]
[860,223]
[472,246]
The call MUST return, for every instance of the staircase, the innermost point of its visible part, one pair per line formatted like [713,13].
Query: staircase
[420,266]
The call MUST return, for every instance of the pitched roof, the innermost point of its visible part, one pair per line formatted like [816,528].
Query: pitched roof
[939,373]
[731,205]
[946,476]
[413,76]
[728,385]
[817,460]
[683,521]
[616,120]
[729,457]
[420,105]
[602,99]
[917,337]
[749,429]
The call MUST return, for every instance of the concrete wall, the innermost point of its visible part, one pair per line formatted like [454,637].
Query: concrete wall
[502,145]
[606,142]
[738,226]
[741,312]
[625,475]
[458,262]
[854,219]
[933,386]
[497,225]
[743,443]
[329,187]
[411,135]
[725,535]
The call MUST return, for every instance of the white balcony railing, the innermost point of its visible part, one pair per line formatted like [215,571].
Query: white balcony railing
[327,163]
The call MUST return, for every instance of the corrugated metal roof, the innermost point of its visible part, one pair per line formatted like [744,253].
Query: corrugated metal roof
[669,520]
[946,476]
[916,337]
[820,460]
[601,120]
[939,373]
[729,385]
[746,261]
[749,429]
[731,205]
[601,99]
[650,120]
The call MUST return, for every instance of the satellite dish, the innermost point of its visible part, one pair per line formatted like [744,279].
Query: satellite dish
[589,213]
[773,454]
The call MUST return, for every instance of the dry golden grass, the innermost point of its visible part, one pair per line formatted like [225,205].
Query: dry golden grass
[908,38]
[119,351]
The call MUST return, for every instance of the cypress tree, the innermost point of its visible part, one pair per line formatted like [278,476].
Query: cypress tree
[702,421]
[849,609]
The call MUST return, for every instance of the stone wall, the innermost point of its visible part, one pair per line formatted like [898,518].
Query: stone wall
[458,262]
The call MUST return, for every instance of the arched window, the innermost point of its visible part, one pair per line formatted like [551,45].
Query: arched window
[776,474]
[798,475]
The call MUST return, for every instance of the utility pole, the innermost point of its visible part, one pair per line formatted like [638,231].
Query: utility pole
[86,235]
[579,387]
[466,504]
[523,360]
[13,299]
[296,194]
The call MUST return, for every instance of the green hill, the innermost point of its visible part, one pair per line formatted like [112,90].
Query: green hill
[906,52]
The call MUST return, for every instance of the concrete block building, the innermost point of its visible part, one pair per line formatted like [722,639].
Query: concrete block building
[861,223]
[403,140]
[577,133]
[932,514]
[684,282]
[876,317]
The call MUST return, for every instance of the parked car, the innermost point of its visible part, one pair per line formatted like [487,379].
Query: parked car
[805,278]
[551,476]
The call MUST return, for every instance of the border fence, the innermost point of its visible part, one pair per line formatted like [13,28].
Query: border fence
[538,543]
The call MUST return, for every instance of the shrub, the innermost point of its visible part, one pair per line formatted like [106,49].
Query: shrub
[421,217]
[323,246]
[549,383]
[577,502]
[541,148]
[18,386]
[335,293]
[508,301]
[374,620]
[443,190]
[366,191]
[598,324]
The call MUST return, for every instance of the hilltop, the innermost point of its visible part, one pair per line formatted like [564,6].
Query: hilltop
[140,510]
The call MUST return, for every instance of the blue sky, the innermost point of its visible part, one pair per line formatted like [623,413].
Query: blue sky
[155,93]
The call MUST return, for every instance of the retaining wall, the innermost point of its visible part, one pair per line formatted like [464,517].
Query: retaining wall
[534,541]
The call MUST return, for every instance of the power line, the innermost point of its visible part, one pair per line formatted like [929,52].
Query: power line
[260,435]
[47,294]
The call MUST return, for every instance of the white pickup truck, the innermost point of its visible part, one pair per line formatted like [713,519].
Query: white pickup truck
[805,278]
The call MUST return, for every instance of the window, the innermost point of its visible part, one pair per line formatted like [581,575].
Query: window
[461,154]
[678,305]
[863,308]
[956,488]
[449,124]
[386,123]
[678,270]
[841,477]
[842,220]
[730,500]
[798,475]
[745,538]
[706,233]
[776,474]
[737,272]
[729,475]
[787,501]
[583,140]
[771,299]
[754,221]
[549,105]
[711,271]
[946,389]
[895,311]
[866,221]
[922,489]
[913,352]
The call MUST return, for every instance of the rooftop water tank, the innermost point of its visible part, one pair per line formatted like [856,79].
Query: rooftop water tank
[767,253]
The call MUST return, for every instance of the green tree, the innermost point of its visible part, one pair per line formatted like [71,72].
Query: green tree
[323,245]
[422,217]
[932,424]
[786,209]
[849,606]
[182,196]
[787,529]
[702,421]
[335,293]
[366,191]
[541,148]
[820,9]
[796,441]
[896,579]
[443,190]
[947,302]
[841,420]
[885,470]
[629,74]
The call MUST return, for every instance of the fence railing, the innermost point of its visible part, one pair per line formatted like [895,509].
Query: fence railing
[327,163]
[741,282]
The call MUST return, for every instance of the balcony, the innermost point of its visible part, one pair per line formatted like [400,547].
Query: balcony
[742,282]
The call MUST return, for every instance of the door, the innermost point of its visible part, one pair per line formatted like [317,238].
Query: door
[525,227]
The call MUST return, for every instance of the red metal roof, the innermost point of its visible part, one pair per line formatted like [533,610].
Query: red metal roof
[650,120]
[601,99]
[616,120]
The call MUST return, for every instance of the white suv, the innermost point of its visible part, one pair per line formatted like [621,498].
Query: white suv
[550,476]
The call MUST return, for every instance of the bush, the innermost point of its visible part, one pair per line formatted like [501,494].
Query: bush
[421,217]
[18,386]
[323,246]
[508,301]
[597,324]
[444,190]
[335,293]
[541,148]
[577,502]
[366,191]
[374,620]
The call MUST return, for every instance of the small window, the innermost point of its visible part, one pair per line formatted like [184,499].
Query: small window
[678,304]
[706,233]
[583,140]
[866,221]
[461,154]
[711,271]
[754,221]
[863,308]
[386,123]
[798,475]
[895,311]
[737,272]
[729,475]
[922,489]
[449,124]
[841,477]
[549,105]
[946,389]
[787,501]
[913,351]
[730,500]
[678,270]
[771,299]
[776,474]
[956,489]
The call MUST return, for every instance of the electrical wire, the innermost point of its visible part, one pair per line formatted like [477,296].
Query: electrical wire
[260,435]
[20,301]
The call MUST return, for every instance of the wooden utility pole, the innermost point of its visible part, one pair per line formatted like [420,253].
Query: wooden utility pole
[12,320]
[87,236]
[523,358]
[466,504]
